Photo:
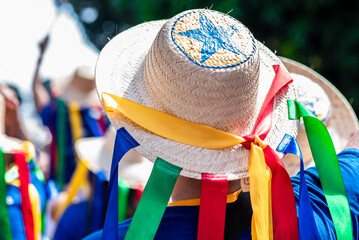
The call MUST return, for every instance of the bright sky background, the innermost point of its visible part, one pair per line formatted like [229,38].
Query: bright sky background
[23,24]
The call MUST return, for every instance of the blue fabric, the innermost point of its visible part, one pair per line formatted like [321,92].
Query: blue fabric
[91,128]
[40,186]
[86,217]
[72,225]
[123,143]
[13,200]
[98,203]
[181,222]
[49,119]
[90,124]
[307,226]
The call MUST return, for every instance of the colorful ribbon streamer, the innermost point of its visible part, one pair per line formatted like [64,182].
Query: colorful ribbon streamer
[61,144]
[307,225]
[123,192]
[285,222]
[79,178]
[75,121]
[97,202]
[212,210]
[20,161]
[154,201]
[260,189]
[36,211]
[123,143]
[326,162]
[5,231]
[169,126]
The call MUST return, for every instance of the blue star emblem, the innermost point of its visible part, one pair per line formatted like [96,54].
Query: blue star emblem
[213,38]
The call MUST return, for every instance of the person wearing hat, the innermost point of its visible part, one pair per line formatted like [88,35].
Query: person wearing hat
[83,216]
[215,111]
[69,107]
[23,195]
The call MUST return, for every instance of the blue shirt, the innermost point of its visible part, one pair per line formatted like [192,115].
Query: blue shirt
[91,127]
[84,217]
[13,200]
[181,222]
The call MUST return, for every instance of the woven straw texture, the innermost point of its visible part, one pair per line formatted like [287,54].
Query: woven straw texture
[160,65]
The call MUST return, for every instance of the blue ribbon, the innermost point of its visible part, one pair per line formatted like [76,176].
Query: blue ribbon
[307,226]
[123,143]
[98,203]
[90,123]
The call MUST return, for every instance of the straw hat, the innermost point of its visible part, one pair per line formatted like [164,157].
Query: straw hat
[202,66]
[96,152]
[319,96]
[79,87]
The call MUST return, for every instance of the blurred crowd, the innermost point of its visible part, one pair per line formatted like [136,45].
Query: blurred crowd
[55,188]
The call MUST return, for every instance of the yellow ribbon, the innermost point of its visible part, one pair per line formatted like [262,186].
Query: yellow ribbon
[75,121]
[36,212]
[196,201]
[169,126]
[200,135]
[35,206]
[29,149]
[78,179]
[260,189]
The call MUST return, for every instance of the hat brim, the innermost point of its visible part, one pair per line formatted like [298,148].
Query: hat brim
[8,144]
[72,94]
[119,71]
[97,157]
[341,123]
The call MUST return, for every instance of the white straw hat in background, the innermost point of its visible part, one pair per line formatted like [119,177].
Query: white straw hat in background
[96,152]
[202,66]
[320,97]
[78,88]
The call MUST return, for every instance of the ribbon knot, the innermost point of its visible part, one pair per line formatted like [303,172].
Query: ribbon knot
[255,139]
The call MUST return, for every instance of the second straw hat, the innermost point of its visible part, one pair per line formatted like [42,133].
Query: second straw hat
[97,153]
[336,112]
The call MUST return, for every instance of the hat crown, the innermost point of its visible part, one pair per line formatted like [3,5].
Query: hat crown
[203,66]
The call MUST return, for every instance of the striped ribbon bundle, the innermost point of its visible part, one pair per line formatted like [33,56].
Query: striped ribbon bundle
[70,124]
[30,202]
[270,185]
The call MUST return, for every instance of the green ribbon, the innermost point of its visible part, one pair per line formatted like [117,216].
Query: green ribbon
[38,172]
[154,200]
[123,192]
[5,232]
[326,162]
[60,132]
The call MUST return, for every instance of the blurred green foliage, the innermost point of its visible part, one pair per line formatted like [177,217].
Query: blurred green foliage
[322,34]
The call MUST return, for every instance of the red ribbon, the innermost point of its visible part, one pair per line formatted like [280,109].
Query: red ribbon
[212,211]
[264,121]
[26,209]
[285,223]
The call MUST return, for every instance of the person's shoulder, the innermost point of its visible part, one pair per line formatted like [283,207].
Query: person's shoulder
[177,223]
[122,228]
[72,223]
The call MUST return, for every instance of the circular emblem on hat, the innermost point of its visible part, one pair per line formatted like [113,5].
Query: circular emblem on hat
[212,39]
